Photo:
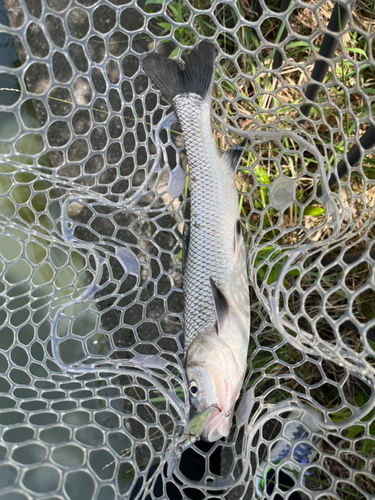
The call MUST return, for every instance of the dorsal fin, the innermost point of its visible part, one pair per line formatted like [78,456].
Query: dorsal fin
[221,305]
[237,237]
[233,155]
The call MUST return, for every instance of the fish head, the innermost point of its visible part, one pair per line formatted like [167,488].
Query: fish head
[215,380]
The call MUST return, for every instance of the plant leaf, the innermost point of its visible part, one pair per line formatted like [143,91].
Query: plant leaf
[165,26]
[313,211]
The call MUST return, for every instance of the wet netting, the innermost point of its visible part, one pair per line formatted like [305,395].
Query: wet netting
[94,199]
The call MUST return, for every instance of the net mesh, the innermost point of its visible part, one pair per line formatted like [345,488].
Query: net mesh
[92,209]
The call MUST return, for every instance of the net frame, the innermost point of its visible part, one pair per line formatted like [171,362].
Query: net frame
[93,205]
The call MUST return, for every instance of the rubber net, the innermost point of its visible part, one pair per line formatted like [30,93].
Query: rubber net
[94,198]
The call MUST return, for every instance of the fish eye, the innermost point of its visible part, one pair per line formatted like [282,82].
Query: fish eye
[193,389]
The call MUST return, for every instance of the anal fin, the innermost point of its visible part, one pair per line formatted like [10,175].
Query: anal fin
[185,244]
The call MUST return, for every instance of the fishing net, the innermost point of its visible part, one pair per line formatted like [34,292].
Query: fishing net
[93,204]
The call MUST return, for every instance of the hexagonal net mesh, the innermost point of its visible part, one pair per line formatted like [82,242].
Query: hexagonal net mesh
[94,198]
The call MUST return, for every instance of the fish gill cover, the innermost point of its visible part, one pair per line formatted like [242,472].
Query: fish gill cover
[94,199]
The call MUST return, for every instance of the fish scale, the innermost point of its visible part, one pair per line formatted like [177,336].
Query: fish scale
[213,215]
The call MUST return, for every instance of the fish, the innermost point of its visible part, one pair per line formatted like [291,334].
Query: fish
[216,292]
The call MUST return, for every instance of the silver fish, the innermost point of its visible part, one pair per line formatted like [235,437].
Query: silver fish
[217,309]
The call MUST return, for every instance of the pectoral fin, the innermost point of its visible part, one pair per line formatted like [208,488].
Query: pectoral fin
[221,306]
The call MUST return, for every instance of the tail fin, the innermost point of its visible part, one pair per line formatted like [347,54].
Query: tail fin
[196,78]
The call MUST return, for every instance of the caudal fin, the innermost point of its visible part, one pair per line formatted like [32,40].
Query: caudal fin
[196,78]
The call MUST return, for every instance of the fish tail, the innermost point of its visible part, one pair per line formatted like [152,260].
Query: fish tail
[196,78]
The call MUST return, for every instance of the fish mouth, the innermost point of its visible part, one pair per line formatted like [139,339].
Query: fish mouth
[218,425]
